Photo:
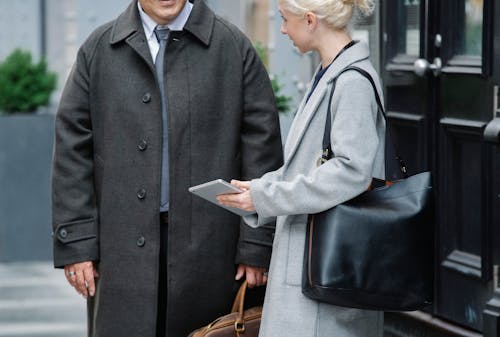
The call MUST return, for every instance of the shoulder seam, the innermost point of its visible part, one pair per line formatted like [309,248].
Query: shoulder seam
[95,42]
[226,25]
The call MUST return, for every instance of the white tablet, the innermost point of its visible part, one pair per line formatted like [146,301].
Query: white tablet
[212,189]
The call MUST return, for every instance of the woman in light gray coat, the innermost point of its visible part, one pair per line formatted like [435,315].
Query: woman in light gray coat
[300,187]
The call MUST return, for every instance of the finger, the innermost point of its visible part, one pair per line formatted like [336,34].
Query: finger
[239,273]
[258,278]
[264,277]
[72,279]
[223,198]
[70,275]
[227,197]
[96,273]
[245,185]
[256,274]
[251,280]
[66,273]
[80,283]
[88,274]
[237,201]
[230,201]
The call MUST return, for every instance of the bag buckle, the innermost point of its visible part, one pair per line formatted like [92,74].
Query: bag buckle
[320,161]
[325,156]
[239,327]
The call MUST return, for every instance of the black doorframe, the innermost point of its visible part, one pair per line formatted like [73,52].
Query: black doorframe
[433,13]
[491,314]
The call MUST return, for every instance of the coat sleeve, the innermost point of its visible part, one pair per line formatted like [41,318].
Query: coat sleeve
[261,150]
[74,219]
[354,141]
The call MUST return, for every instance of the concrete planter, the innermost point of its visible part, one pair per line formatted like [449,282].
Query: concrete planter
[26,142]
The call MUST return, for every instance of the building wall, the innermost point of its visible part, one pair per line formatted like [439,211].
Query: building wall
[56,29]
[67,23]
[20,24]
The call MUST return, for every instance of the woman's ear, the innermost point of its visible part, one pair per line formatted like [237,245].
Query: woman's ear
[312,21]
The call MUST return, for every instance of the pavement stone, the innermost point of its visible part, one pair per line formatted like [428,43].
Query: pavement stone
[36,301]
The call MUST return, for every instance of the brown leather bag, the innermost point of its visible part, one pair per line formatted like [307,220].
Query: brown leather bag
[239,323]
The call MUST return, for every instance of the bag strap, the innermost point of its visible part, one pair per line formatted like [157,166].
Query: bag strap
[390,151]
[238,306]
[239,300]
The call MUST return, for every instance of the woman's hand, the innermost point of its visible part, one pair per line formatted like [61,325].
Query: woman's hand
[238,200]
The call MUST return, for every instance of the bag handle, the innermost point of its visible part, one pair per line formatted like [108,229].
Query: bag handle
[239,300]
[238,306]
[389,148]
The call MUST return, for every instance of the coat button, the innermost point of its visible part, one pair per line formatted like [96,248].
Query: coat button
[63,233]
[141,194]
[146,98]
[141,241]
[143,145]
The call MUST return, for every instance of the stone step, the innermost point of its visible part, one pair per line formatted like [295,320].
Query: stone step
[40,291]
[37,301]
[42,310]
[37,329]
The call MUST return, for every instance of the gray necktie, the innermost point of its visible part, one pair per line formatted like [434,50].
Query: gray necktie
[162,36]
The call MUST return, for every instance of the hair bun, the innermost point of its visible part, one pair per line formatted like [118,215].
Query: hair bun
[335,13]
[364,6]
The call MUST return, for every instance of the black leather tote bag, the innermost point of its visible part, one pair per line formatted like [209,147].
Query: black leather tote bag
[374,251]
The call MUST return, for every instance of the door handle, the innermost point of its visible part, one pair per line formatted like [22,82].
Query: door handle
[492,130]
[422,66]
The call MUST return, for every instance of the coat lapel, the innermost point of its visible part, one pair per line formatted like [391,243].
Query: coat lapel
[303,118]
[128,27]
[308,110]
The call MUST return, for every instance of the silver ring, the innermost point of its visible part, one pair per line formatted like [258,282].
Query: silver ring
[265,273]
[71,273]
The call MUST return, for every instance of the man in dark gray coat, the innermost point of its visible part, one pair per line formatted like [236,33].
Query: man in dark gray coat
[149,269]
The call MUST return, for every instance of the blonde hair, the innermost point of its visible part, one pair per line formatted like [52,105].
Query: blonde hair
[335,13]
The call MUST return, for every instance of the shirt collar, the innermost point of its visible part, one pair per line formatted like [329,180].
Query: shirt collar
[177,24]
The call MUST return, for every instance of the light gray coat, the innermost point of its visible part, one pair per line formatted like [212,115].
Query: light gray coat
[299,187]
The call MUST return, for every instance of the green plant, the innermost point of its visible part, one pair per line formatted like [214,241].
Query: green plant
[282,101]
[24,85]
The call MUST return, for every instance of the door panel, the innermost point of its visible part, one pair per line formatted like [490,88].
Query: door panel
[406,95]
[465,103]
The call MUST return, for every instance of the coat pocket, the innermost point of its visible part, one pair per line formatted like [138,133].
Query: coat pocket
[295,254]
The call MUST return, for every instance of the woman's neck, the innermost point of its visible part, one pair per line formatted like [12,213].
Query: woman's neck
[330,43]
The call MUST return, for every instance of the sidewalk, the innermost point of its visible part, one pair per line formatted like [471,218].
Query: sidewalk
[36,301]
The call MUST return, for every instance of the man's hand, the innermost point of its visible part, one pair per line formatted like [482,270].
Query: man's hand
[81,277]
[256,276]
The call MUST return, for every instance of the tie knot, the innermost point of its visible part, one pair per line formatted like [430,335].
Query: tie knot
[162,33]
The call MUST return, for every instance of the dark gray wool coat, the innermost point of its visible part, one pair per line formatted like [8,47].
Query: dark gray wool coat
[222,122]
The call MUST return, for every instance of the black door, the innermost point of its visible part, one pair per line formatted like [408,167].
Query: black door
[440,71]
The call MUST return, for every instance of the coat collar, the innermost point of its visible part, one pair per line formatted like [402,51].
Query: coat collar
[307,110]
[200,23]
[358,52]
